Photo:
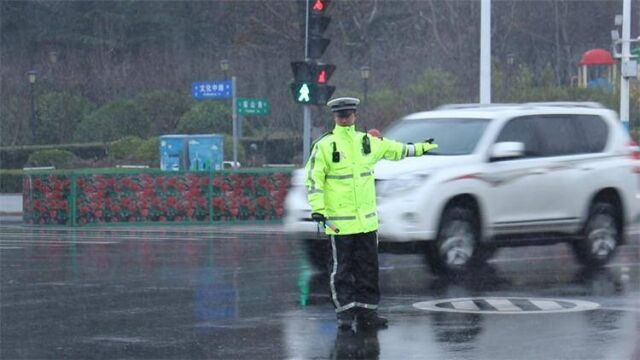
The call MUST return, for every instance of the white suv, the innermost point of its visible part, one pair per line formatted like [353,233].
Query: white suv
[503,175]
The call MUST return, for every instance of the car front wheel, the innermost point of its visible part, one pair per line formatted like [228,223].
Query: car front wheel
[457,241]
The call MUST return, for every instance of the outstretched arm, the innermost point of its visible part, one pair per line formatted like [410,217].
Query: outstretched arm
[393,150]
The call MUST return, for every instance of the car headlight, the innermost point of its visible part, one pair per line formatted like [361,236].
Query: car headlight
[401,184]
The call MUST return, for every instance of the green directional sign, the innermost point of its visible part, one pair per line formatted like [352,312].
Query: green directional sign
[246,106]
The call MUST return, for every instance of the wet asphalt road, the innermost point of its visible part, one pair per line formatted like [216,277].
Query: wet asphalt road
[249,293]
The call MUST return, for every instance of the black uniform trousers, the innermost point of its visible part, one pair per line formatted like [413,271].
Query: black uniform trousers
[354,271]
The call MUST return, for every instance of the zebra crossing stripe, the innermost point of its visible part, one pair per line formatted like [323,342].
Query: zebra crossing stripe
[546,304]
[506,305]
[465,305]
[503,305]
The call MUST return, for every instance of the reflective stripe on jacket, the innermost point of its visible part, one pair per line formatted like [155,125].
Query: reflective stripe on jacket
[344,191]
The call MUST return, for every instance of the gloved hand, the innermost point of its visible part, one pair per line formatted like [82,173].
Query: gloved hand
[317,217]
[423,148]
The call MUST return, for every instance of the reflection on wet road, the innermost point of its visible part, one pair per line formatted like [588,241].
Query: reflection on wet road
[249,293]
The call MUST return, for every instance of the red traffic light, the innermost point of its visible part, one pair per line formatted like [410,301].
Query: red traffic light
[323,72]
[322,77]
[304,71]
[319,5]
[317,23]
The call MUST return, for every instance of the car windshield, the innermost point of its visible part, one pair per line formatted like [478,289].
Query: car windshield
[454,136]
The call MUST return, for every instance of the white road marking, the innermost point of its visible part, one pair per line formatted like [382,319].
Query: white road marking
[46,242]
[546,304]
[465,305]
[621,309]
[503,305]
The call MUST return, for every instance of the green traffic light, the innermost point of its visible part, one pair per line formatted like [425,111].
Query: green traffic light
[310,93]
[303,93]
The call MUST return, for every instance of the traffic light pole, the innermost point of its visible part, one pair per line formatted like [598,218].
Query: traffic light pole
[306,133]
[306,127]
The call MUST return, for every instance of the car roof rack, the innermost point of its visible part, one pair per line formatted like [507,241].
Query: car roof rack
[472,106]
[586,104]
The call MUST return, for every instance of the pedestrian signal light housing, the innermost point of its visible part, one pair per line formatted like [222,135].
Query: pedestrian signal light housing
[310,82]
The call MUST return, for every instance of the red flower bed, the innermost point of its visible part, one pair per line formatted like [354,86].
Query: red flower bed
[46,199]
[142,197]
[241,196]
[161,197]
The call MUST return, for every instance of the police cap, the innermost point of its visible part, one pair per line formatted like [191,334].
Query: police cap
[343,103]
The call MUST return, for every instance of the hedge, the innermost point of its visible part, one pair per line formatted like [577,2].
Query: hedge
[60,159]
[15,157]
[11,181]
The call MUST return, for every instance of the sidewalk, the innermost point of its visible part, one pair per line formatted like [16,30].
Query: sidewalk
[10,204]
[10,208]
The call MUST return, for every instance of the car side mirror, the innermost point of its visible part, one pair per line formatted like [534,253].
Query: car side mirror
[507,150]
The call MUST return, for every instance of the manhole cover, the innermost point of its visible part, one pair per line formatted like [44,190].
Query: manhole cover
[506,305]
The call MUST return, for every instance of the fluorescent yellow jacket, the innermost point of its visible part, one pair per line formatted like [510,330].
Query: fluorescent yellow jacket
[344,191]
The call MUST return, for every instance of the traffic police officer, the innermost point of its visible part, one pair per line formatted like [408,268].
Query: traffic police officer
[341,189]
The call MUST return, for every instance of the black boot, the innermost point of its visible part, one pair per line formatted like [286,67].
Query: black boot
[345,319]
[370,319]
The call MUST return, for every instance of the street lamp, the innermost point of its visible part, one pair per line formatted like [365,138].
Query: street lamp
[32,77]
[628,65]
[511,59]
[365,73]
[53,56]
[224,65]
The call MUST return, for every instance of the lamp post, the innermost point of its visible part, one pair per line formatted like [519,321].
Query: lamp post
[224,65]
[32,77]
[53,56]
[510,64]
[628,65]
[365,73]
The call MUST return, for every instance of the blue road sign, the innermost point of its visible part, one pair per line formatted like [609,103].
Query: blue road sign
[211,90]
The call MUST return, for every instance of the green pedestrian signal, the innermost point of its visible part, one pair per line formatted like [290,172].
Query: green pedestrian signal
[311,94]
[303,94]
[310,79]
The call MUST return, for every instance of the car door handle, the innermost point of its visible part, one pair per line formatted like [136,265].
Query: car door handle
[539,171]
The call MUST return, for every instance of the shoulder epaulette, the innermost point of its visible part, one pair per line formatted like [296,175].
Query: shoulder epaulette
[318,139]
[321,137]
